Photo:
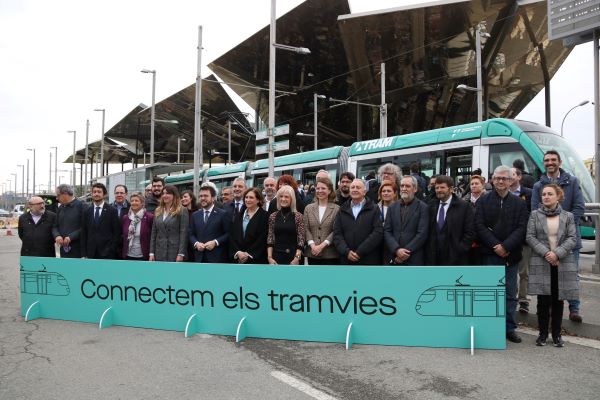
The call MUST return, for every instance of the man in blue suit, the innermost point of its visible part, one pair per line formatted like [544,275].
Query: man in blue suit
[100,227]
[209,229]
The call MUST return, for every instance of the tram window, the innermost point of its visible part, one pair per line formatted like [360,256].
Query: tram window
[450,295]
[429,163]
[485,295]
[458,164]
[506,153]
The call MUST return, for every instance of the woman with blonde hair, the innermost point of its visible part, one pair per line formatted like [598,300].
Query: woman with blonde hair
[137,229]
[170,229]
[285,238]
[552,235]
[319,217]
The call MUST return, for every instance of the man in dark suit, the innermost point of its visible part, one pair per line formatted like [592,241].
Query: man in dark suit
[270,188]
[407,225]
[35,230]
[236,205]
[209,229]
[121,204]
[524,193]
[67,229]
[451,226]
[100,227]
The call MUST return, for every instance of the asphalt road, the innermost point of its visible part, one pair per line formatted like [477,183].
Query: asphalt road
[46,359]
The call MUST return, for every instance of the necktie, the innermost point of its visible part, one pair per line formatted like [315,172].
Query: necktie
[97,215]
[206,212]
[441,217]
[237,207]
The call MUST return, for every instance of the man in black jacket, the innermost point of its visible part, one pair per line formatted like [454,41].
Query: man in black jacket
[35,230]
[100,227]
[357,231]
[407,226]
[501,223]
[451,226]
[67,229]
[342,194]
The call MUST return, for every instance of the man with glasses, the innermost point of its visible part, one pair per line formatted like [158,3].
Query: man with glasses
[151,203]
[35,230]
[501,223]
[387,172]
[572,202]
[121,203]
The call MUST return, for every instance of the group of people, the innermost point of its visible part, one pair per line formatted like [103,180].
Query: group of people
[385,224]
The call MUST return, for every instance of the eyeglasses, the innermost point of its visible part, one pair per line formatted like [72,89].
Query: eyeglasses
[502,178]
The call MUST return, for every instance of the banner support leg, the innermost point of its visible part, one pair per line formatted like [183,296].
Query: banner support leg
[349,341]
[191,326]
[106,319]
[33,311]
[240,333]
[472,341]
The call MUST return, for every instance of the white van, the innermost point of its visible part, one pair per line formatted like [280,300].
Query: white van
[18,210]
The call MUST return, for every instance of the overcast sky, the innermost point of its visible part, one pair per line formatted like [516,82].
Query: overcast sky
[62,59]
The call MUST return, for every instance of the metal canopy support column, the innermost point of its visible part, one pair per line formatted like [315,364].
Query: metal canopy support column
[596,266]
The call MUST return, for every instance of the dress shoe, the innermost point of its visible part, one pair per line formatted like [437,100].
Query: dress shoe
[575,317]
[524,308]
[541,340]
[513,337]
[558,342]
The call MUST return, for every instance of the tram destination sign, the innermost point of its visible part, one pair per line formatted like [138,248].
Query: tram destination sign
[277,131]
[411,306]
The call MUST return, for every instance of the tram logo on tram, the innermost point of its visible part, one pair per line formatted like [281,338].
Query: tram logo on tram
[463,300]
[44,282]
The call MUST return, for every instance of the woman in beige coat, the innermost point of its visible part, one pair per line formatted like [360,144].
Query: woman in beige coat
[319,217]
[551,233]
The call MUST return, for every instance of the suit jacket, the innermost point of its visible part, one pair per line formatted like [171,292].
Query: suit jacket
[320,231]
[216,227]
[102,239]
[525,195]
[230,209]
[254,242]
[68,224]
[37,239]
[451,245]
[145,234]
[363,235]
[272,206]
[410,234]
[169,237]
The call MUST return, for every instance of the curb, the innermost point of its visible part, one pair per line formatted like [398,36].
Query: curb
[590,331]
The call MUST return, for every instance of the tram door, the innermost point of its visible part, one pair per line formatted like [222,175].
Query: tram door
[42,284]
[464,303]
[459,163]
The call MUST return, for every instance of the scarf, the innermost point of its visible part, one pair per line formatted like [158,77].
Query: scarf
[135,219]
[550,212]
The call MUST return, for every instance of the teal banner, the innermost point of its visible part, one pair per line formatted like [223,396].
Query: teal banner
[410,306]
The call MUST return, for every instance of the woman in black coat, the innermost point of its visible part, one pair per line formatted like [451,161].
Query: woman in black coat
[248,234]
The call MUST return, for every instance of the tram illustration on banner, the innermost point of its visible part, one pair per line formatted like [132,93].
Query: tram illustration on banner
[43,282]
[463,300]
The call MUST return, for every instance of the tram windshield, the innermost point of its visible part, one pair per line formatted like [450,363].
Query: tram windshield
[571,162]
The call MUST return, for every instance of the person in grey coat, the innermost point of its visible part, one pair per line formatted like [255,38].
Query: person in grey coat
[407,226]
[551,233]
[168,241]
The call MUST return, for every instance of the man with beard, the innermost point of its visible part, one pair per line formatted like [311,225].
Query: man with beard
[67,229]
[357,231]
[270,185]
[390,172]
[501,223]
[451,227]
[35,230]
[209,229]
[152,201]
[100,227]
[343,192]
[407,226]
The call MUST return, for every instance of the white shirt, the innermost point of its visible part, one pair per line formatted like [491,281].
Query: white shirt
[445,207]
[101,205]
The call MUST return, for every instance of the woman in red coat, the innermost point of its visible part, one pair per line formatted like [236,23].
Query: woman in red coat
[137,229]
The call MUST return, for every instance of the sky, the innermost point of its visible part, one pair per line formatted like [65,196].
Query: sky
[60,60]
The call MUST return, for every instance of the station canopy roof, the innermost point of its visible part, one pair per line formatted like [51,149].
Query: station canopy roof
[428,50]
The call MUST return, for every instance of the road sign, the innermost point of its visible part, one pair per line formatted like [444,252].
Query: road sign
[277,131]
[277,146]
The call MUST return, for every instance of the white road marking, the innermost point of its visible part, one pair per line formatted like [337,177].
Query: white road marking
[301,386]
[595,344]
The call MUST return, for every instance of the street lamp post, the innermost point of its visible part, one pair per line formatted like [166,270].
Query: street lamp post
[22,179]
[179,139]
[15,175]
[562,125]
[55,164]
[33,169]
[229,141]
[153,72]
[50,173]
[28,177]
[308,135]
[73,160]
[479,88]
[316,98]
[87,134]
[102,141]
[272,46]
